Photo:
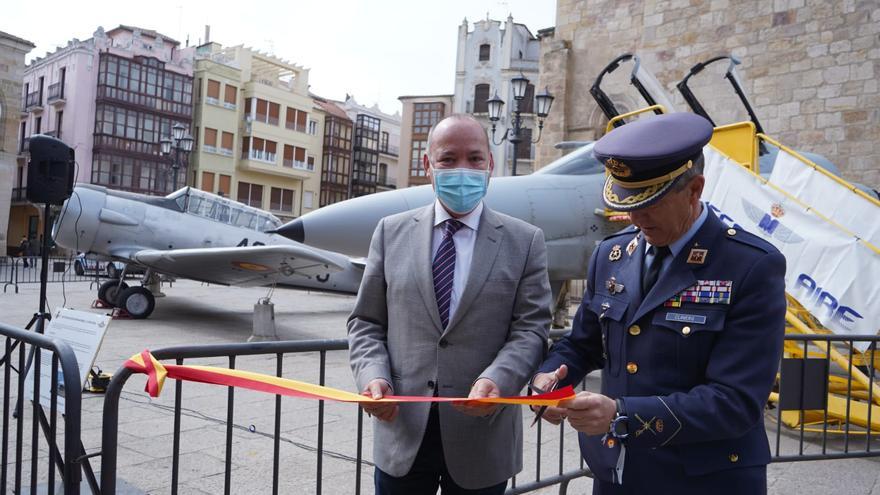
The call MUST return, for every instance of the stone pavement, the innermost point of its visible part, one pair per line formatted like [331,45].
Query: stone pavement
[195,313]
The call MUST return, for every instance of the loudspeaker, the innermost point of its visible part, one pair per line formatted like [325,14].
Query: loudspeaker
[50,171]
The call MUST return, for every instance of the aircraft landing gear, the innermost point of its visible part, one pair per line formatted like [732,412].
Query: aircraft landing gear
[138,301]
[109,291]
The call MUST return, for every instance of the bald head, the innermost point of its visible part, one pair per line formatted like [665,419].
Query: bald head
[456,120]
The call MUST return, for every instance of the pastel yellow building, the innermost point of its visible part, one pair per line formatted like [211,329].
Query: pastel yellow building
[257,129]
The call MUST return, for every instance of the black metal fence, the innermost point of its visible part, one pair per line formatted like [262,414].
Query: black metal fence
[562,475]
[801,400]
[826,399]
[24,350]
[15,270]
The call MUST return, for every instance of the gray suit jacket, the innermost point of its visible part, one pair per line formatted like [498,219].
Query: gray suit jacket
[499,331]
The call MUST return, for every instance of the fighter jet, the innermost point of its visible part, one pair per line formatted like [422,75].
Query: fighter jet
[196,235]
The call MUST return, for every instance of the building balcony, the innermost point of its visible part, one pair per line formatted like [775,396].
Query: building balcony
[261,163]
[33,102]
[389,150]
[56,95]
[299,165]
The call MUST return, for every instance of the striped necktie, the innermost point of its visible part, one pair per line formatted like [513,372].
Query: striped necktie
[444,269]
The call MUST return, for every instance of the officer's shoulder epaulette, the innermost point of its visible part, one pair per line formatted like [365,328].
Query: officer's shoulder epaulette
[744,237]
[630,229]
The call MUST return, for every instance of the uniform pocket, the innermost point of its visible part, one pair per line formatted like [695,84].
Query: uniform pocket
[686,338]
[610,311]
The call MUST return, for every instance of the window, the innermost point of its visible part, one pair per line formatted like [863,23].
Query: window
[485,49]
[426,115]
[208,181]
[383,143]
[226,143]
[310,164]
[229,97]
[296,120]
[213,91]
[59,120]
[383,173]
[250,194]
[418,151]
[223,187]
[259,149]
[481,98]
[308,199]
[526,105]
[274,112]
[281,200]
[262,111]
[313,127]
[210,142]
[40,101]
[38,125]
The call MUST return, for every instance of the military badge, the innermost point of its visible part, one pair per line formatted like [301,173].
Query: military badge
[618,169]
[658,425]
[615,253]
[697,256]
[633,244]
[613,287]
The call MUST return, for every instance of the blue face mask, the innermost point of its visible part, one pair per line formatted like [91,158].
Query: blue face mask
[460,189]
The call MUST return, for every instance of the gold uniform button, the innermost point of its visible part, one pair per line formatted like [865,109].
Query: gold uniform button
[635,330]
[733,458]
[632,368]
[731,231]
[686,331]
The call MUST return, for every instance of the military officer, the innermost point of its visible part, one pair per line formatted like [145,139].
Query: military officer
[684,316]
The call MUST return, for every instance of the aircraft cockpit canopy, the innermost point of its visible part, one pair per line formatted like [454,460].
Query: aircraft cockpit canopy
[223,210]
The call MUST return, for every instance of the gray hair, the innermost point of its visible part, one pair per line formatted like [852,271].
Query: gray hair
[689,174]
[455,116]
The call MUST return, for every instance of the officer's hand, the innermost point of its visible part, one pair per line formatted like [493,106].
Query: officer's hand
[547,382]
[378,388]
[483,387]
[590,413]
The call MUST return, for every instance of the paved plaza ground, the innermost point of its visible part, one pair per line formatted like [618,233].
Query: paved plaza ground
[195,313]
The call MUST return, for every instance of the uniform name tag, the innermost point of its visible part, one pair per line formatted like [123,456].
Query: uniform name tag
[698,319]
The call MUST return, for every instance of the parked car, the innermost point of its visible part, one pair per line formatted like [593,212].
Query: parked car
[83,264]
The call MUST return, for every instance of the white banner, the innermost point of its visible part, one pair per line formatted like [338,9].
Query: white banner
[832,274]
[827,196]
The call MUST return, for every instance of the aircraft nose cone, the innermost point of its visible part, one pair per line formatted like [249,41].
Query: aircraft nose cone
[293,230]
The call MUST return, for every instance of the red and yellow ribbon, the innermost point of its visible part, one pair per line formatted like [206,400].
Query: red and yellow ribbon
[157,373]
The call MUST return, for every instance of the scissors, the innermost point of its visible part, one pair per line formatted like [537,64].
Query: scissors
[543,409]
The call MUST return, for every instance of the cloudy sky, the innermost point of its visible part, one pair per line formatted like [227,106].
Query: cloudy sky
[375,50]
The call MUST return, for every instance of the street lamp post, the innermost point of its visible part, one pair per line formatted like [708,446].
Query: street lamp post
[543,101]
[178,141]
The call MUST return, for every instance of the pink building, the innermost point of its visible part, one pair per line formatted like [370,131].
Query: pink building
[112,98]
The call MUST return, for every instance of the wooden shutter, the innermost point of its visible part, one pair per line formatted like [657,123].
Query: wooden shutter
[271,147]
[225,181]
[231,94]
[226,142]
[290,118]
[301,121]
[208,181]
[213,89]
[274,112]
[288,155]
[300,154]
[210,137]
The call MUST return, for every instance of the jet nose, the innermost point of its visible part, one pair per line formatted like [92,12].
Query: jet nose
[293,230]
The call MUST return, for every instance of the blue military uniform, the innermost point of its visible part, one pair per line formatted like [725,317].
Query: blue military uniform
[692,360]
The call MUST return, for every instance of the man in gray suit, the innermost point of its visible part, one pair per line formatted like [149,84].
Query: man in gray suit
[455,301]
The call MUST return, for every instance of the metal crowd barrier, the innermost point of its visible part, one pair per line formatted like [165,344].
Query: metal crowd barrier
[61,269]
[797,394]
[278,350]
[827,398]
[27,350]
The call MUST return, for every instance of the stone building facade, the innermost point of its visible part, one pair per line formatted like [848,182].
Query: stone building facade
[12,52]
[810,68]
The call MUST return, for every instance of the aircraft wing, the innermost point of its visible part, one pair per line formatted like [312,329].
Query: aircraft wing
[242,266]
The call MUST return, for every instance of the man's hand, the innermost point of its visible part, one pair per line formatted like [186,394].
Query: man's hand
[483,387]
[547,382]
[590,413]
[385,411]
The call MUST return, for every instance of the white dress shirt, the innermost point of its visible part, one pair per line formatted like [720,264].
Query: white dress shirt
[464,241]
